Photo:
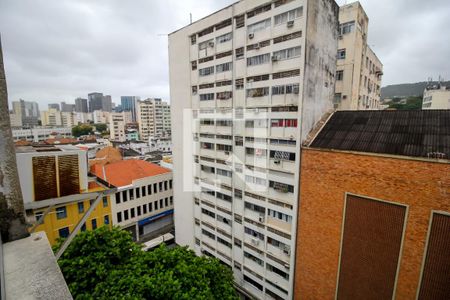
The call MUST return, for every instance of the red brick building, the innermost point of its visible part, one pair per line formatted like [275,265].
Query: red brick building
[374,213]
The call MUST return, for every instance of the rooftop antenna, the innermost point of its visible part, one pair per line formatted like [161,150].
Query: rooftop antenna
[190,18]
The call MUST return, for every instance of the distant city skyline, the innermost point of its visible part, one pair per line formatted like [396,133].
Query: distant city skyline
[121,48]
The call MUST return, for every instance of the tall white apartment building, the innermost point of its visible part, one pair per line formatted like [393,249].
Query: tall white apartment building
[117,122]
[68,119]
[51,117]
[247,85]
[153,116]
[359,71]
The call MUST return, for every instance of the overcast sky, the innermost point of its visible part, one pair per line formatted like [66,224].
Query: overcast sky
[57,50]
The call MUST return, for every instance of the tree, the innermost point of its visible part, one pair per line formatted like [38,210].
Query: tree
[100,127]
[82,129]
[412,103]
[106,264]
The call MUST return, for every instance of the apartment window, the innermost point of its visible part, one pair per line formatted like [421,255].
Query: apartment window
[261,25]
[224,95]
[193,39]
[207,97]
[285,89]
[280,216]
[117,198]
[238,141]
[340,75]
[160,186]
[347,27]
[209,122]
[208,213]
[255,180]
[170,184]
[221,147]
[94,224]
[258,59]
[105,201]
[156,205]
[224,123]
[125,215]
[259,10]
[149,189]
[224,197]
[284,108]
[238,243]
[256,152]
[166,202]
[282,155]
[258,123]
[206,71]
[281,2]
[80,207]
[138,211]
[290,122]
[287,53]
[132,215]
[238,193]
[206,59]
[253,258]
[63,232]
[131,194]
[277,271]
[258,92]
[281,187]
[83,227]
[224,83]
[171,200]
[119,217]
[240,21]
[223,220]
[208,234]
[165,185]
[255,207]
[224,67]
[254,233]
[239,83]
[341,54]
[223,24]
[194,65]
[208,146]
[144,209]
[125,196]
[258,45]
[143,190]
[206,31]
[239,53]
[224,242]
[61,212]
[224,38]
[206,86]
[286,74]
[224,173]
[150,207]
[253,282]
[288,16]
[258,78]
[106,220]
[287,37]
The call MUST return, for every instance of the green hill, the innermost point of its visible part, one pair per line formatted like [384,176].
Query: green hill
[405,90]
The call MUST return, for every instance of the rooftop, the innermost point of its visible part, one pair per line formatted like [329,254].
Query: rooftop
[122,173]
[418,133]
[45,148]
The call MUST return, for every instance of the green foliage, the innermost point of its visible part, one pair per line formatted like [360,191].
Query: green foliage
[101,127]
[412,103]
[82,129]
[107,264]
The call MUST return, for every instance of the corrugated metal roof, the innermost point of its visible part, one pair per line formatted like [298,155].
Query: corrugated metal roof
[418,133]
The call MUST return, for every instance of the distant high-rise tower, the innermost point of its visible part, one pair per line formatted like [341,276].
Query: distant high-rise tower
[95,101]
[65,107]
[28,112]
[54,106]
[81,105]
[128,103]
[107,103]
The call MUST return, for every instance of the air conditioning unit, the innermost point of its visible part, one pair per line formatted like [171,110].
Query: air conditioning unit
[290,24]
[277,162]
[211,44]
[227,152]
[287,250]
[274,58]
[251,35]
[261,219]
[340,37]
[255,242]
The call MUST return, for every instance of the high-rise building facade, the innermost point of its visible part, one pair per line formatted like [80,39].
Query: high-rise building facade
[247,85]
[51,117]
[54,106]
[66,107]
[359,71]
[95,101]
[117,125]
[153,116]
[28,112]
[81,105]
[107,103]
[128,103]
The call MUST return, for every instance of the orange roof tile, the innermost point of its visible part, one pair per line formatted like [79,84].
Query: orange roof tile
[123,172]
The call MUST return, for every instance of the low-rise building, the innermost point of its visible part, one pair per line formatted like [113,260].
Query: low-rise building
[436,96]
[38,134]
[48,176]
[143,204]
[374,207]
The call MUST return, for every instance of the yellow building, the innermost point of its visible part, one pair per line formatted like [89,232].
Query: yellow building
[61,220]
[56,176]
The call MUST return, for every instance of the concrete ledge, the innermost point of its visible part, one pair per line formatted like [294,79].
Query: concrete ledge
[31,270]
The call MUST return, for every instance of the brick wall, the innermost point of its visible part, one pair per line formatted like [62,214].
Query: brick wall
[326,176]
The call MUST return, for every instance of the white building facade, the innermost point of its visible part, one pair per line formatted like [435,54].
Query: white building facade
[248,83]
[153,116]
[117,123]
[436,96]
[39,134]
